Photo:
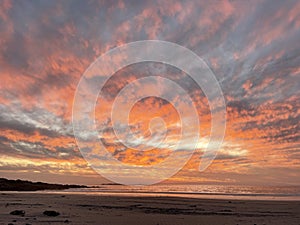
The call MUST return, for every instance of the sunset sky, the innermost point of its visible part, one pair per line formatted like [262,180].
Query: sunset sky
[252,47]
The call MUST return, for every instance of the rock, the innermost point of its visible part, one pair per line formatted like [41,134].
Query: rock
[51,213]
[18,213]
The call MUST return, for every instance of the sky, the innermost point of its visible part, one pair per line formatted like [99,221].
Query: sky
[252,47]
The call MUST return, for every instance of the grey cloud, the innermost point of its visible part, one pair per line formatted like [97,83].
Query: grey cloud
[36,119]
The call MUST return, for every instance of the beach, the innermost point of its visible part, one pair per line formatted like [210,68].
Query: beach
[159,210]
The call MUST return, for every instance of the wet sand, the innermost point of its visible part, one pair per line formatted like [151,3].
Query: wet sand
[115,210]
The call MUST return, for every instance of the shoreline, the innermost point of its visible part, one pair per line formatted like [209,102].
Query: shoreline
[214,196]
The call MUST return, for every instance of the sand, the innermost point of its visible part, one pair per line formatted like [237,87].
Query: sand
[115,210]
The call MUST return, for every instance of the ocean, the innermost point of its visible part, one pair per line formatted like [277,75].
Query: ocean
[289,193]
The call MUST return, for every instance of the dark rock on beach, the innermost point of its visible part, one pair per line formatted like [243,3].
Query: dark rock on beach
[51,213]
[18,213]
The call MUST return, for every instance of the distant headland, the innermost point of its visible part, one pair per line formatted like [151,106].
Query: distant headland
[24,185]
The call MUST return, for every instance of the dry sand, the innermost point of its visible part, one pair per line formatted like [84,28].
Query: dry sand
[115,210]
